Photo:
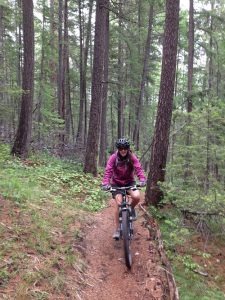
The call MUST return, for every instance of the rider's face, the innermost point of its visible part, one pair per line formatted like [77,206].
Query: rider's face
[123,152]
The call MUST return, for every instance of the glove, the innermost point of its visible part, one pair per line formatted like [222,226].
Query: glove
[106,187]
[142,183]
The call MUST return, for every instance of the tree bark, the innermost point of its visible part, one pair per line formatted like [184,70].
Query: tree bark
[66,82]
[23,137]
[60,58]
[19,44]
[103,137]
[90,165]
[41,77]
[210,87]
[84,49]
[190,56]
[80,131]
[69,113]
[164,112]
[53,46]
[1,52]
[60,90]
[1,67]
[187,171]
[144,78]
[120,129]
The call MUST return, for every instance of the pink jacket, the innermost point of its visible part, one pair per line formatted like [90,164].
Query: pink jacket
[120,172]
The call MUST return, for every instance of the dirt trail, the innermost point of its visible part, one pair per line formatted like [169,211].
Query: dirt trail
[107,277]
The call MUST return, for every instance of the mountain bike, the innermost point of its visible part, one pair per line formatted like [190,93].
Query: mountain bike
[125,222]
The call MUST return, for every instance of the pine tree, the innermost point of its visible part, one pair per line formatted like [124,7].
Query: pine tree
[23,136]
[164,113]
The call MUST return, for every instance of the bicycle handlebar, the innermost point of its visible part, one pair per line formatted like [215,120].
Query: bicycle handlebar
[124,188]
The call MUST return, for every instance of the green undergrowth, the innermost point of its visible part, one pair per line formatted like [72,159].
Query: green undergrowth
[44,178]
[190,261]
[45,204]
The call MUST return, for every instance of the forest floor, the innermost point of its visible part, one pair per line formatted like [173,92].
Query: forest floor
[107,277]
[52,247]
[28,274]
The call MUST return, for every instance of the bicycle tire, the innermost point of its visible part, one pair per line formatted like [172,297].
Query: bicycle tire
[126,238]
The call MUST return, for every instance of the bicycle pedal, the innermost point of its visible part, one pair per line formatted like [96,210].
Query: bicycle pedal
[116,236]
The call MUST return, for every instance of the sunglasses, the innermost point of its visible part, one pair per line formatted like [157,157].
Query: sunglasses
[121,149]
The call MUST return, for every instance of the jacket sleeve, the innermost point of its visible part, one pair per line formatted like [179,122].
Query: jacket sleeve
[138,168]
[109,169]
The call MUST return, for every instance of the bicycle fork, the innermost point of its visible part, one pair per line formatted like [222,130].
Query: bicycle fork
[130,223]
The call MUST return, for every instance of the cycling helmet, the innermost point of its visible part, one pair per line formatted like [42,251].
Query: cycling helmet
[122,143]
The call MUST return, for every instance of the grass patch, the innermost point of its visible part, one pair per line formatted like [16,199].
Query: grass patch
[45,205]
[189,253]
[45,178]
[192,286]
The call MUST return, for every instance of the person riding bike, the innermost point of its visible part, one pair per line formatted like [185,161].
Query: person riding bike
[121,168]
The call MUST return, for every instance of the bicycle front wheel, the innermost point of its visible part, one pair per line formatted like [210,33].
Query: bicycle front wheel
[126,238]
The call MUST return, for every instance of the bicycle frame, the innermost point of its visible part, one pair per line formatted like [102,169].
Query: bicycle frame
[125,205]
[125,221]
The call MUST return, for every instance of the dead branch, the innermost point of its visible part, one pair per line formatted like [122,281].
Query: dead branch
[201,273]
[4,225]
[202,213]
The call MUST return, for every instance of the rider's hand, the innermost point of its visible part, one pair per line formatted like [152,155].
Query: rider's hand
[142,183]
[106,187]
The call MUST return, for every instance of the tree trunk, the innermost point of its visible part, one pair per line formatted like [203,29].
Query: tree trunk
[164,113]
[187,171]
[144,78]
[1,67]
[103,137]
[65,86]
[41,78]
[84,49]
[60,56]
[90,165]
[1,53]
[61,95]
[53,46]
[190,55]
[113,125]
[19,44]
[120,129]
[69,113]
[80,131]
[22,141]
[210,87]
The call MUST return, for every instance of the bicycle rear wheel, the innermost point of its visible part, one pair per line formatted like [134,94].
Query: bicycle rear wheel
[126,238]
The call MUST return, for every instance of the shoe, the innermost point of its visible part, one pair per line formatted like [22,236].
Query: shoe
[116,235]
[133,214]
